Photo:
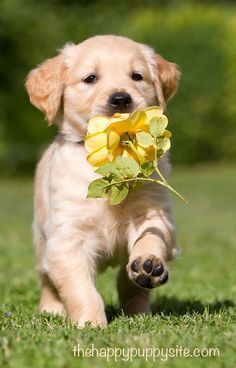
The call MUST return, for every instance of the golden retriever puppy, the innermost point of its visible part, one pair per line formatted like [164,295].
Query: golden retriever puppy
[74,236]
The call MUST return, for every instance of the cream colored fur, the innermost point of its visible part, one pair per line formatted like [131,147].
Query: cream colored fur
[74,236]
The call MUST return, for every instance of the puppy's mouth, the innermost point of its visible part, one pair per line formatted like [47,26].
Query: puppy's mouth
[110,112]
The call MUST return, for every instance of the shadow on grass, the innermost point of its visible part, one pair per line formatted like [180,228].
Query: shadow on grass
[179,307]
[112,312]
[176,307]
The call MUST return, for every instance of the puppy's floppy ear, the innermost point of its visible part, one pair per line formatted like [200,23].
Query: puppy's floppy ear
[168,75]
[45,86]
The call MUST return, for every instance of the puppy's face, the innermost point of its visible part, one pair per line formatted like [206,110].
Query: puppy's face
[101,76]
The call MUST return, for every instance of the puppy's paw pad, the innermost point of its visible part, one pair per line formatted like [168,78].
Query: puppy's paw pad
[148,266]
[147,272]
[134,266]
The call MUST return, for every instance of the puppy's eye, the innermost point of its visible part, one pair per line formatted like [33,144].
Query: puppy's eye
[137,76]
[90,79]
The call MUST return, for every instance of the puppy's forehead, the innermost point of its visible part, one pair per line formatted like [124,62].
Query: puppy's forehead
[104,50]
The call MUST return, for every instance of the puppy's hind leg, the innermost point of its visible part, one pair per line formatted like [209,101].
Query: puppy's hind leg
[133,299]
[49,300]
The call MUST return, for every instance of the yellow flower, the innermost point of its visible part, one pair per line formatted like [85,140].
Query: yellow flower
[108,138]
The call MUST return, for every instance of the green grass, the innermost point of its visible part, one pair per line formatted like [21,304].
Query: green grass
[195,309]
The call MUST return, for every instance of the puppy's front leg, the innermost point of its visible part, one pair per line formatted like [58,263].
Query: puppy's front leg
[71,267]
[151,243]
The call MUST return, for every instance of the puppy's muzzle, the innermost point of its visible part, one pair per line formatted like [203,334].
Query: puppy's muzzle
[120,102]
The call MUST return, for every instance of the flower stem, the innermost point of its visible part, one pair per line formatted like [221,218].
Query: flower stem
[160,174]
[164,184]
[173,191]
[163,180]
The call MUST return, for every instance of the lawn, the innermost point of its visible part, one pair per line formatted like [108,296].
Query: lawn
[195,309]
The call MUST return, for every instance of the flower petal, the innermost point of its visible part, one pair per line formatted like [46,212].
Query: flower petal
[132,123]
[138,120]
[98,157]
[120,126]
[147,153]
[128,153]
[119,117]
[142,151]
[97,124]
[113,140]
[95,141]
[117,152]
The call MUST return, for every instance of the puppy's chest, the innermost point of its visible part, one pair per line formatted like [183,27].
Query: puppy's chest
[71,176]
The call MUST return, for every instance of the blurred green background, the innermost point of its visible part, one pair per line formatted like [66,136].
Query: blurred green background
[200,36]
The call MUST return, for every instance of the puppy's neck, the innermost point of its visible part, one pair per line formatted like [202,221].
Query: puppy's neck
[72,132]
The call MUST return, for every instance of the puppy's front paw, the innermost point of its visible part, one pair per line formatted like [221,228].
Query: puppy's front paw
[147,271]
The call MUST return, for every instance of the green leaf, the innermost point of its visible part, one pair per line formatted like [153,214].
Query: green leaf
[147,168]
[98,188]
[145,139]
[163,144]
[159,152]
[137,185]
[109,168]
[167,134]
[157,126]
[118,193]
[127,166]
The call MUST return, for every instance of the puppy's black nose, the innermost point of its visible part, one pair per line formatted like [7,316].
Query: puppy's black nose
[120,101]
